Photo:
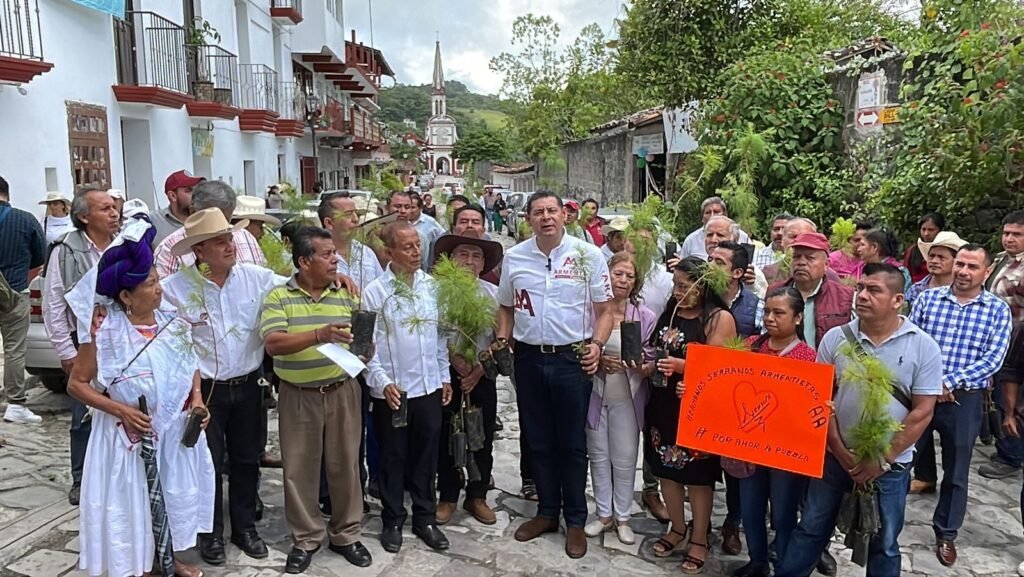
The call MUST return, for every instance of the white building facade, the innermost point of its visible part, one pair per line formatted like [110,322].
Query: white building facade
[228,90]
[442,133]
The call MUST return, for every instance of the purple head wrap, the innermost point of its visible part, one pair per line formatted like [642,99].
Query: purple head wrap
[126,265]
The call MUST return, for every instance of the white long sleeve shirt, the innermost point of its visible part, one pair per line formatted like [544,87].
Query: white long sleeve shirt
[412,349]
[57,316]
[225,320]
[364,268]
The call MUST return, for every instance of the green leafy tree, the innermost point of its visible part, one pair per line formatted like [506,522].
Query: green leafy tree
[481,145]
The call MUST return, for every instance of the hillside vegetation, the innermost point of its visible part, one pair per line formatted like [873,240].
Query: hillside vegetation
[471,111]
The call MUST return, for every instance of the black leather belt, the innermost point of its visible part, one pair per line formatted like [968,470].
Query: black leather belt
[231,382]
[322,388]
[545,349]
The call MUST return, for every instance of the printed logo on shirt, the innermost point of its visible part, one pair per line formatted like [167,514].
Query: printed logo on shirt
[524,303]
[569,270]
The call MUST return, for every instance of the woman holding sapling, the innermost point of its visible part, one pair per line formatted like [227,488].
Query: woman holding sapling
[783,321]
[694,314]
[616,413]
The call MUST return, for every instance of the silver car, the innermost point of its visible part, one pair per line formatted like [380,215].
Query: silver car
[41,358]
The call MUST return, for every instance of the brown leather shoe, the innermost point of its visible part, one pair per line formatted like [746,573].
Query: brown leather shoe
[654,504]
[946,552]
[536,527]
[731,544]
[921,487]
[575,542]
[270,461]
[444,512]
[480,511]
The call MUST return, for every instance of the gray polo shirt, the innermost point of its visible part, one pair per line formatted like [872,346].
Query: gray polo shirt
[912,355]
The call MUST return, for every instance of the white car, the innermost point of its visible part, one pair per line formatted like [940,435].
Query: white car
[41,358]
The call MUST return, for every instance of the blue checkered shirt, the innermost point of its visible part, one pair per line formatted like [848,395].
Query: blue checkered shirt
[915,290]
[22,245]
[973,336]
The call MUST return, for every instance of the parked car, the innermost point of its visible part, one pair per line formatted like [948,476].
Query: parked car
[516,202]
[41,358]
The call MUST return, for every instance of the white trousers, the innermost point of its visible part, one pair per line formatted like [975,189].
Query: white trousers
[613,449]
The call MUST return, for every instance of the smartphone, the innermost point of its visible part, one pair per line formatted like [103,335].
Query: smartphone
[749,249]
[671,249]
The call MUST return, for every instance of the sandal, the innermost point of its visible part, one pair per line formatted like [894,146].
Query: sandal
[529,491]
[696,564]
[664,548]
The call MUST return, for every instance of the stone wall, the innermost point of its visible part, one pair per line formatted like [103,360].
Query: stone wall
[600,167]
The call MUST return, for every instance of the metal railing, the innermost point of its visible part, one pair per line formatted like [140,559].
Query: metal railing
[296,4]
[150,51]
[291,101]
[258,89]
[19,29]
[215,78]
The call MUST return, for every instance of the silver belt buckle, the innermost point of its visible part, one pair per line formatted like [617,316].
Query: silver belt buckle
[547,349]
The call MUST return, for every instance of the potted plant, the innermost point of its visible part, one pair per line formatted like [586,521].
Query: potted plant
[364,322]
[200,34]
[640,235]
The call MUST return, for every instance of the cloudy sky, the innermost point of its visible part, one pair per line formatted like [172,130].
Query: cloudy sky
[471,32]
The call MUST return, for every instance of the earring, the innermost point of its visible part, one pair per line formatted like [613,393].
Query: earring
[129,310]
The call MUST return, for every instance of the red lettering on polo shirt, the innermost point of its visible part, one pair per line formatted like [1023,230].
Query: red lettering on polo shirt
[524,303]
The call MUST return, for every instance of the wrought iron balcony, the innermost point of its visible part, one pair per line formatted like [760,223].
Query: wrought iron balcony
[151,61]
[291,108]
[286,12]
[21,46]
[258,98]
[214,78]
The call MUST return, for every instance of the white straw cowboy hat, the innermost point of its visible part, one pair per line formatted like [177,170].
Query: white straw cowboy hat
[253,208]
[204,225]
[946,238]
[56,197]
[617,224]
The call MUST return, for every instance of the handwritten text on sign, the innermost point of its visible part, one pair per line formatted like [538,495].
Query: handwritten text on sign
[758,408]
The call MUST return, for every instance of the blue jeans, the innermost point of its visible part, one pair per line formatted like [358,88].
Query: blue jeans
[958,427]
[785,490]
[553,396]
[79,431]
[824,496]
[1010,449]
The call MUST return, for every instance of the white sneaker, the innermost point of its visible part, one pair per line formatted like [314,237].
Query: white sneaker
[1020,569]
[20,414]
[596,527]
[626,535]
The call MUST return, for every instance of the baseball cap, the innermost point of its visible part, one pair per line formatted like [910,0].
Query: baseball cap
[812,240]
[573,205]
[181,179]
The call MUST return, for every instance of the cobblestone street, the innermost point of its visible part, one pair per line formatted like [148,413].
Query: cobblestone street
[39,531]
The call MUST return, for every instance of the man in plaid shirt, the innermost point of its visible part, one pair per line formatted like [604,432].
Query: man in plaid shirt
[972,327]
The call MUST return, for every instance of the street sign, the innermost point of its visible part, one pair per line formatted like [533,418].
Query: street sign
[869,118]
[890,115]
[651,143]
[869,91]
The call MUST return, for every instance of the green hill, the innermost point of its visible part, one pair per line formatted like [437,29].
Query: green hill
[471,111]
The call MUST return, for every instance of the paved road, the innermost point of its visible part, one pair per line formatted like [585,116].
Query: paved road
[38,530]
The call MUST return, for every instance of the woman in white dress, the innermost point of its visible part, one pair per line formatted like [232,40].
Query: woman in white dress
[139,351]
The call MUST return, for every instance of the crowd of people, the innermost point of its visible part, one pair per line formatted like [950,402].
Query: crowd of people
[174,332]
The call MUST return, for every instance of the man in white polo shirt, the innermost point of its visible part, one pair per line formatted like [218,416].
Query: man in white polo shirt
[555,293]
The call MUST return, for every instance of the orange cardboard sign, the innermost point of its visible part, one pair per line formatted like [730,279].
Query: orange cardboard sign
[757,408]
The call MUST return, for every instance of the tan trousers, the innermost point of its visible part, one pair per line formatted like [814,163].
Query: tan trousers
[315,424]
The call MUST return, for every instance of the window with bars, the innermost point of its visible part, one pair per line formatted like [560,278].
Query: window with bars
[89,144]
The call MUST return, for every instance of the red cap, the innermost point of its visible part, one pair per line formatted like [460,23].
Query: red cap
[812,240]
[573,205]
[181,179]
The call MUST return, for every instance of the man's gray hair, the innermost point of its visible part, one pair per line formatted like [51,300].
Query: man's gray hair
[713,200]
[734,229]
[214,194]
[80,205]
[783,216]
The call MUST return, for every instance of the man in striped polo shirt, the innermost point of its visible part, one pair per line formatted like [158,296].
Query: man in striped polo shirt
[319,405]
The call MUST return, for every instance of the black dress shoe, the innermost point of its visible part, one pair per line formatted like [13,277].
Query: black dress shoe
[391,539]
[432,536]
[498,425]
[298,560]
[827,564]
[373,488]
[752,570]
[251,544]
[211,549]
[354,553]
[74,495]
[366,507]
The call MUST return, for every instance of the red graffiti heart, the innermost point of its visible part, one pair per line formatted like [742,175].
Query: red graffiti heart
[753,407]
